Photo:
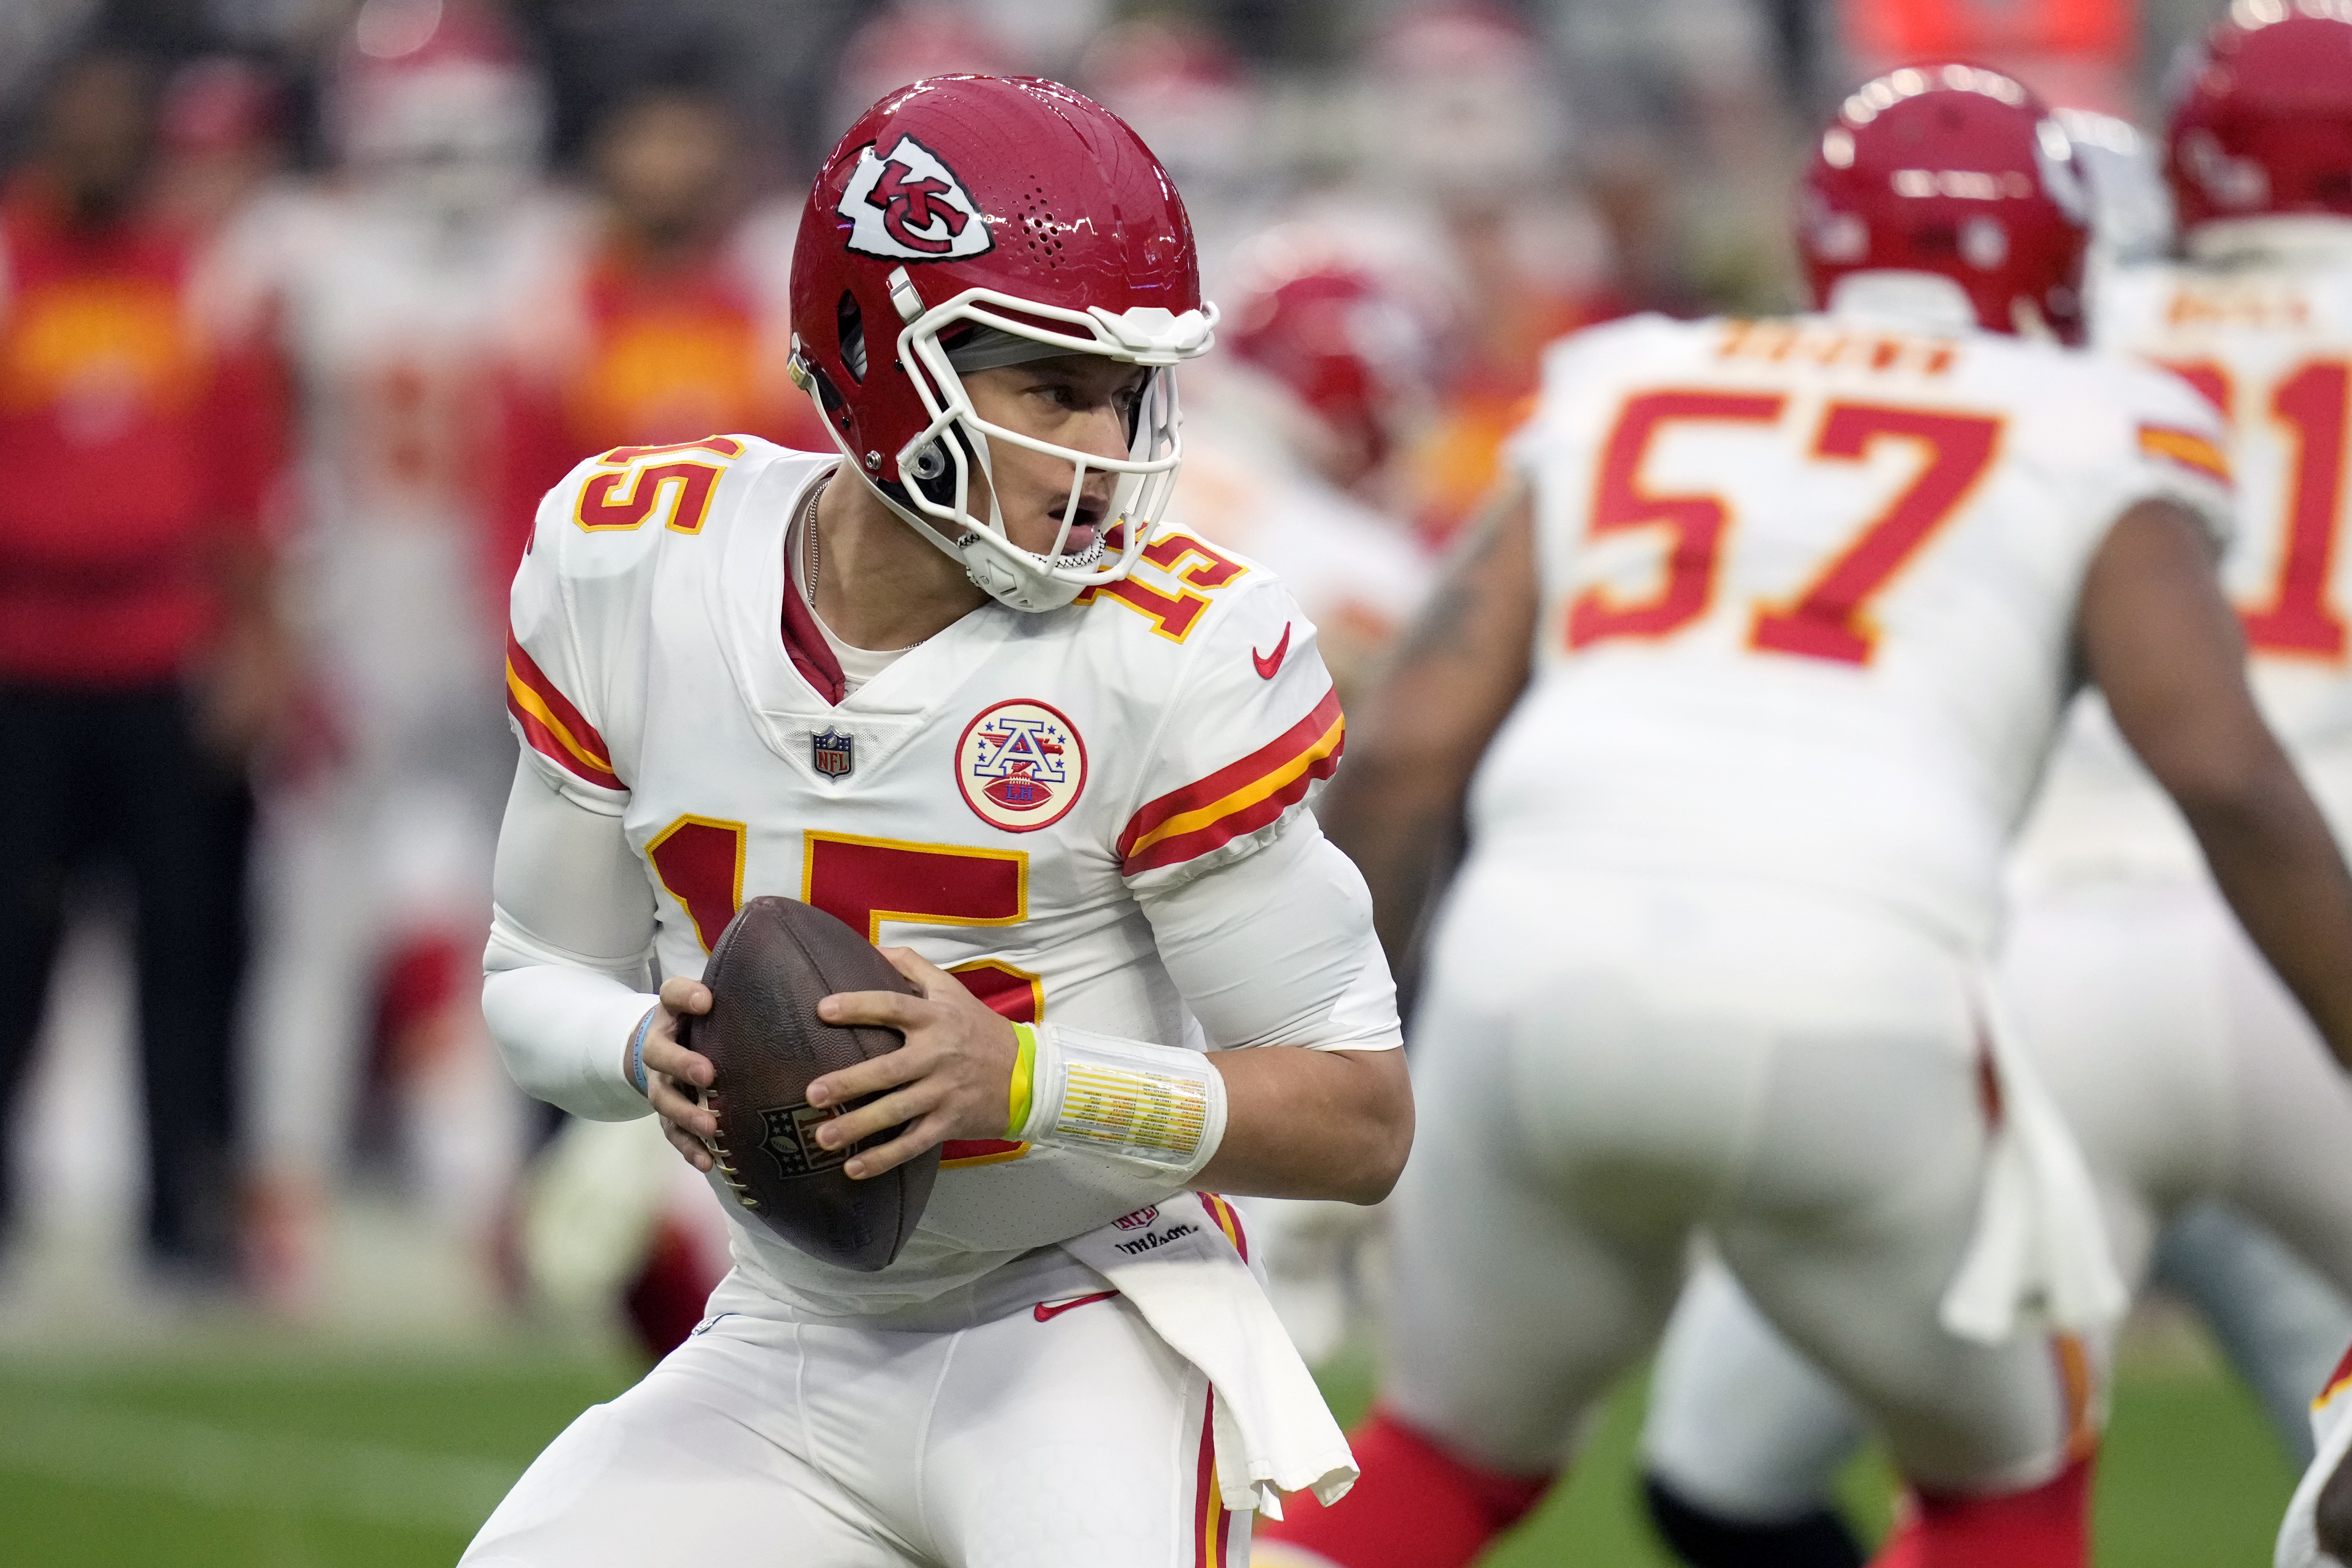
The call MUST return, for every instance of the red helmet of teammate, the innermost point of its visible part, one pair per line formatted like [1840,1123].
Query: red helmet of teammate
[1354,352]
[1959,172]
[2262,124]
[971,221]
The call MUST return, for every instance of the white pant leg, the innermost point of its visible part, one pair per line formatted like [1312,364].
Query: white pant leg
[1739,1423]
[2280,1322]
[704,1461]
[1074,1441]
[1079,1442]
[1860,1200]
[1510,1309]
[2290,1164]
[313,970]
[2188,1072]
[1603,1062]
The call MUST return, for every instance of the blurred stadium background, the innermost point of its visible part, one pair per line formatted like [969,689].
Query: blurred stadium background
[372,1349]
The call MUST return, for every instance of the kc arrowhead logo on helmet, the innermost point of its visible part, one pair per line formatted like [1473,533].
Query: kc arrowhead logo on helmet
[907,205]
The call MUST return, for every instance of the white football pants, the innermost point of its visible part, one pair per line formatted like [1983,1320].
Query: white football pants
[1059,1436]
[1605,1063]
[2187,1073]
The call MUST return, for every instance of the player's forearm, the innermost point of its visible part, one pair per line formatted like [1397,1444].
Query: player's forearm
[1311,1124]
[570,931]
[2278,865]
[1395,807]
[564,1035]
[2166,648]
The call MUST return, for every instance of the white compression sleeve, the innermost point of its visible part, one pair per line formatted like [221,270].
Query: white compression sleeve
[570,931]
[1277,948]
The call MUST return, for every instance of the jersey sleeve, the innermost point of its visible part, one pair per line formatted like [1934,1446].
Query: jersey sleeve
[1252,731]
[554,689]
[2174,449]
[1278,950]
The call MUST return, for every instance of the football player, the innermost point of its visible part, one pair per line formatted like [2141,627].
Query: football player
[1762,660]
[955,684]
[2175,1052]
[391,292]
[1292,440]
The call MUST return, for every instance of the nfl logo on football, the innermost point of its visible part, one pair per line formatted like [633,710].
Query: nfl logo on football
[831,752]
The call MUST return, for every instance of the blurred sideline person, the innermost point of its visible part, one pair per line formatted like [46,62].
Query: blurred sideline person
[221,126]
[670,323]
[957,683]
[140,660]
[1292,443]
[2174,1051]
[1464,113]
[1788,612]
[398,294]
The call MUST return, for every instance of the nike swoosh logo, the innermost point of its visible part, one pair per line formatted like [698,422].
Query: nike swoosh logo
[1046,1311]
[1268,663]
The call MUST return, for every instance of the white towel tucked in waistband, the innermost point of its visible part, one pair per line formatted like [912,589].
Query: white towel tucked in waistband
[2040,1253]
[1181,1265]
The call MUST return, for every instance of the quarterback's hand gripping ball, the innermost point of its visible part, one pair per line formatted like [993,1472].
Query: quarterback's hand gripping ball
[775,961]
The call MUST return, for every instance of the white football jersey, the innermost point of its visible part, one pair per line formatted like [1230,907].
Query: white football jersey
[2271,346]
[996,799]
[397,328]
[1808,597]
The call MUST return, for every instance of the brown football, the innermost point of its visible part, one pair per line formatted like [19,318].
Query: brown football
[775,961]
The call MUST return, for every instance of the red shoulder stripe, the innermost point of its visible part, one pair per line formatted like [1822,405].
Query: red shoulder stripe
[1229,1220]
[554,727]
[1238,798]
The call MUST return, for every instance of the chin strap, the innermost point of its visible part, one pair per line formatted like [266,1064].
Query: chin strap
[992,576]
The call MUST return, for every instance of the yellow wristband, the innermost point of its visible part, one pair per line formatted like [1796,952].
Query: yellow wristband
[1025,1071]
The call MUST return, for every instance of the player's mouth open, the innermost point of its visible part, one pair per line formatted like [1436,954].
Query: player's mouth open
[1085,527]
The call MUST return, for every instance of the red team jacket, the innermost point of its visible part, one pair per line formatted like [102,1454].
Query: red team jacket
[136,453]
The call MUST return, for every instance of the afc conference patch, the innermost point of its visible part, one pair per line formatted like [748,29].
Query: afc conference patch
[790,1140]
[833,753]
[1021,765]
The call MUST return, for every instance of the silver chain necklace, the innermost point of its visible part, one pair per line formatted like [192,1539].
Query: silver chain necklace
[812,556]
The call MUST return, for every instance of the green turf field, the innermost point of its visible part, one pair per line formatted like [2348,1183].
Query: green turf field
[247,1456]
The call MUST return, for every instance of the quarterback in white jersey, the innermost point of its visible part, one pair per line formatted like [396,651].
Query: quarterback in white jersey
[957,688]
[1758,671]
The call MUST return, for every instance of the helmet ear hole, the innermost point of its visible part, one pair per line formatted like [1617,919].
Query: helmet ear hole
[851,322]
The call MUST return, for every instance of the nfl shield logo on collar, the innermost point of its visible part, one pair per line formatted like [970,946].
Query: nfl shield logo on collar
[830,752]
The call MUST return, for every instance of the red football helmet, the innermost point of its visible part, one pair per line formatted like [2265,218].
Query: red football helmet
[1959,172]
[2262,124]
[1342,339]
[961,213]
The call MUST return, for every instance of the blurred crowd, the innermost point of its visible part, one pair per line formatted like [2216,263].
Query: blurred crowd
[304,303]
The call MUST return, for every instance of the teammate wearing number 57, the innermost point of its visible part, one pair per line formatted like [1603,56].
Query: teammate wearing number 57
[956,685]
[1756,669]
